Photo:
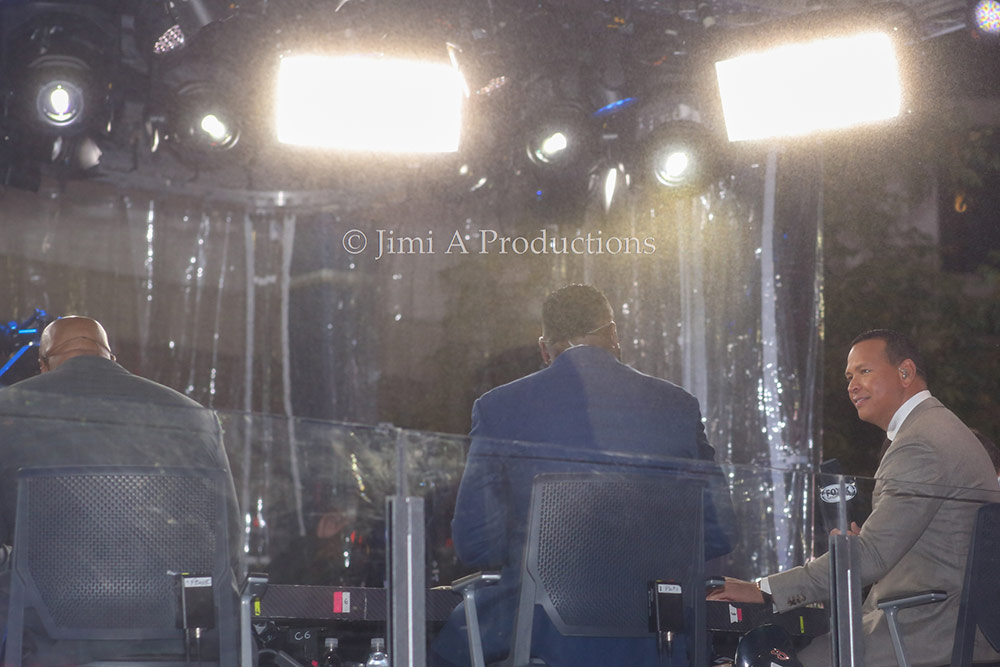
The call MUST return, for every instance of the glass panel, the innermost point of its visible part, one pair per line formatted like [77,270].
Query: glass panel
[312,498]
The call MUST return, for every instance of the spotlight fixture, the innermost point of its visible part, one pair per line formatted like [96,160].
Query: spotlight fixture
[549,147]
[60,103]
[59,87]
[61,94]
[199,99]
[217,132]
[170,39]
[157,31]
[680,155]
[199,122]
[564,106]
[562,138]
[59,76]
[164,27]
[673,167]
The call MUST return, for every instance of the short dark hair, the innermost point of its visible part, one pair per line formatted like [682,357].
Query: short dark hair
[898,347]
[572,311]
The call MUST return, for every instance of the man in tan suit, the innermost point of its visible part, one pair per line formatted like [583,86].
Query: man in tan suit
[917,536]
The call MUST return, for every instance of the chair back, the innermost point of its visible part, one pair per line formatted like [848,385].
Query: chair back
[597,540]
[98,549]
[981,590]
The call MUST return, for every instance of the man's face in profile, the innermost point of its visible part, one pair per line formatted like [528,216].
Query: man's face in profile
[874,385]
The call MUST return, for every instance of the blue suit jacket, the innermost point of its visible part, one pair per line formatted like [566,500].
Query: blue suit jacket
[589,409]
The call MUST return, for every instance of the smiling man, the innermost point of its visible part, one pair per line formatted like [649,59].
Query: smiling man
[885,379]
[928,487]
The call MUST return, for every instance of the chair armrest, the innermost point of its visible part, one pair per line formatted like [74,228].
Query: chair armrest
[891,607]
[474,581]
[467,586]
[912,600]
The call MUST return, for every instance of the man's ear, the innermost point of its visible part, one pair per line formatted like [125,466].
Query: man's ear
[543,348]
[907,372]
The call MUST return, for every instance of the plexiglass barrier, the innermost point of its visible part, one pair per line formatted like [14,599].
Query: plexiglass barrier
[341,560]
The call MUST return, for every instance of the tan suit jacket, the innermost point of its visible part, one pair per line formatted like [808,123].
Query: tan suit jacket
[928,487]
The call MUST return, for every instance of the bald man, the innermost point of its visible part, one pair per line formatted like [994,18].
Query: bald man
[71,337]
[85,409]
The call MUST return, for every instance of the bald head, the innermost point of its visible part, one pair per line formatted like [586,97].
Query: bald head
[70,337]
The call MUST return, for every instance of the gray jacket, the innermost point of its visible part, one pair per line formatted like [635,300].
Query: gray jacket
[928,487]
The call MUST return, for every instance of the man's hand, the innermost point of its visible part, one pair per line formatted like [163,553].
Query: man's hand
[737,590]
[853,531]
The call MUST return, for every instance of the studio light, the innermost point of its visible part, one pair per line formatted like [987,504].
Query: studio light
[60,103]
[58,93]
[217,131]
[58,76]
[209,130]
[549,148]
[165,27]
[157,31]
[57,65]
[200,122]
[562,138]
[680,155]
[985,18]
[60,87]
[369,103]
[169,40]
[676,149]
[673,167]
[822,84]
[182,20]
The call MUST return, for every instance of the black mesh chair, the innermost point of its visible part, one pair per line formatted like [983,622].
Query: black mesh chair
[595,542]
[97,553]
[978,607]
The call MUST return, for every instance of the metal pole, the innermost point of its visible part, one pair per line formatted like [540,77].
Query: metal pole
[845,594]
[407,592]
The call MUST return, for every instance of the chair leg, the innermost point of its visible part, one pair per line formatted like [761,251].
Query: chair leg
[13,643]
[897,640]
[472,628]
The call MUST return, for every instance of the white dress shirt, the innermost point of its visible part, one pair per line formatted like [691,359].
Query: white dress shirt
[904,411]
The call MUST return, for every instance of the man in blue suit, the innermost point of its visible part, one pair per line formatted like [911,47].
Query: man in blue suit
[585,406]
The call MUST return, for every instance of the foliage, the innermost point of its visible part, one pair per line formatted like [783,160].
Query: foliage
[881,271]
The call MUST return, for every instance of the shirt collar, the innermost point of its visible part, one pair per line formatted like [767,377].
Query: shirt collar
[904,411]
